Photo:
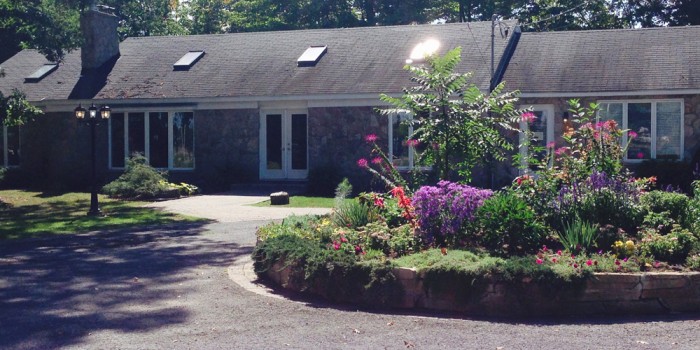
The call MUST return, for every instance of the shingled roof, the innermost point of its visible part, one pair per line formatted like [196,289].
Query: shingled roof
[606,61]
[247,65]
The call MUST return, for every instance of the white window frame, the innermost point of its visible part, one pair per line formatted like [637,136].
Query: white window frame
[653,102]
[548,112]
[411,150]
[5,152]
[146,135]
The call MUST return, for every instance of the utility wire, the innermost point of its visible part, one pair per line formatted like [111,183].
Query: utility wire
[476,43]
[557,15]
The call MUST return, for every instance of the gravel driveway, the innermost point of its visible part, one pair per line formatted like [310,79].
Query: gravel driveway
[169,288]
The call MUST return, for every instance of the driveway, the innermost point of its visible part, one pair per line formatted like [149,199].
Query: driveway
[169,288]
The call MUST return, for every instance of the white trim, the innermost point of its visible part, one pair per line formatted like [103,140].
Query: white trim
[611,93]
[654,140]
[146,136]
[4,154]
[286,172]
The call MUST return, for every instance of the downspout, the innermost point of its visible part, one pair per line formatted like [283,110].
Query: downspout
[497,75]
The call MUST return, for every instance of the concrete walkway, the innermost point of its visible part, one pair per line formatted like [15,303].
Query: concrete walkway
[232,208]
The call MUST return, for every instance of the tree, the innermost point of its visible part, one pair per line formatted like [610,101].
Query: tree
[461,125]
[15,110]
[46,25]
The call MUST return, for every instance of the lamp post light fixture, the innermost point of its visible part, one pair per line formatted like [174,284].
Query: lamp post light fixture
[94,116]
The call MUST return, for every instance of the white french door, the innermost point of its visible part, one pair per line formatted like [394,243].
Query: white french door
[284,144]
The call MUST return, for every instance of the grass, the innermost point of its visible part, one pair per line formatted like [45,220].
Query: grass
[303,202]
[28,214]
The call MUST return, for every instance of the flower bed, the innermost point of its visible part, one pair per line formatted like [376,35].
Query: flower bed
[561,238]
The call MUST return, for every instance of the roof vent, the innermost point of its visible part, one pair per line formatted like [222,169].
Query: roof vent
[188,60]
[311,56]
[41,73]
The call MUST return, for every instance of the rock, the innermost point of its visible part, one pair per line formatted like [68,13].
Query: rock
[279,198]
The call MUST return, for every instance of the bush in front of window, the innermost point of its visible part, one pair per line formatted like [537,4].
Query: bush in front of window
[142,181]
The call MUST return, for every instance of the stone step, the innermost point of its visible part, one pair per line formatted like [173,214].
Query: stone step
[265,188]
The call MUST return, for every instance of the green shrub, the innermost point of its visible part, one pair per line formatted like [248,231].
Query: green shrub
[141,181]
[673,247]
[693,262]
[2,173]
[676,204]
[391,241]
[578,235]
[694,210]
[353,214]
[661,222]
[508,226]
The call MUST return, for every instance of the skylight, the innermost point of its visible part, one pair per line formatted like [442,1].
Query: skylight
[41,72]
[311,56]
[188,60]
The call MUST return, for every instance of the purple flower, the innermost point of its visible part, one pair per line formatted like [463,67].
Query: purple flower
[362,163]
[371,138]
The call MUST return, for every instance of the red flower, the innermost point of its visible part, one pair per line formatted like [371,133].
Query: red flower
[589,262]
[554,260]
[336,245]
[539,261]
[640,155]
[379,202]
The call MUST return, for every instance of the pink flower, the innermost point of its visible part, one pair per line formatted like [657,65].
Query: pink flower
[554,260]
[559,252]
[362,163]
[561,150]
[539,261]
[358,249]
[528,117]
[370,138]
[576,266]
[589,262]
[632,134]
[617,262]
[379,202]
[412,143]
[336,245]
[640,155]
[377,160]
[551,145]
[625,259]
[343,239]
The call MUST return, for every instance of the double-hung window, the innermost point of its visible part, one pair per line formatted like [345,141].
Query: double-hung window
[404,152]
[9,146]
[166,139]
[656,127]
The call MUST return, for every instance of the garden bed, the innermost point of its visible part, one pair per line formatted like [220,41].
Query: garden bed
[601,293]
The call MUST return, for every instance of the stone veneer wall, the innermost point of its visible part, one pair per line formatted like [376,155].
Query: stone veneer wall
[336,136]
[226,149]
[55,153]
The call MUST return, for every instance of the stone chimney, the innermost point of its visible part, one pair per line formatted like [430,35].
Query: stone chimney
[101,41]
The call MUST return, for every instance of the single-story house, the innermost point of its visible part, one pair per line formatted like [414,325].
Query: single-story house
[294,105]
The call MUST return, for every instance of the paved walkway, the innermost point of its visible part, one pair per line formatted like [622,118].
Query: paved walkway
[232,208]
[171,288]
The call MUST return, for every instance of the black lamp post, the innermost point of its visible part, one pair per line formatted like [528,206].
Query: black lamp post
[94,116]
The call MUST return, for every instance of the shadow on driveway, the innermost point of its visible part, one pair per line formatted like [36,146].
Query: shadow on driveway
[55,291]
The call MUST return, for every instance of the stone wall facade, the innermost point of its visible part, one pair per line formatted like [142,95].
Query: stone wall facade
[337,138]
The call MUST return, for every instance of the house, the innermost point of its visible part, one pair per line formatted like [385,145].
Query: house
[220,109]
[648,80]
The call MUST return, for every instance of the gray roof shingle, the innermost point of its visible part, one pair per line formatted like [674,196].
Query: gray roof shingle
[606,61]
[358,61]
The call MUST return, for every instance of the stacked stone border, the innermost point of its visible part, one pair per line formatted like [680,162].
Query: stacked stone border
[602,294]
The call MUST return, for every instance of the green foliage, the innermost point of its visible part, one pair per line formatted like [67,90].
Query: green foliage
[343,190]
[675,204]
[578,235]
[391,241]
[693,262]
[694,209]
[463,135]
[508,226]
[141,181]
[674,247]
[3,171]
[15,110]
[353,214]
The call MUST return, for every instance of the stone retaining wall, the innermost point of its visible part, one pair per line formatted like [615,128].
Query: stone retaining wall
[604,293]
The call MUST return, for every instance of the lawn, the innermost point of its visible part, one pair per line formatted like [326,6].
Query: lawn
[303,202]
[28,214]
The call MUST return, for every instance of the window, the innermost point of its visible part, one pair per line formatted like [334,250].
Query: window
[311,56]
[188,60]
[404,154]
[541,128]
[658,126]
[9,146]
[166,139]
